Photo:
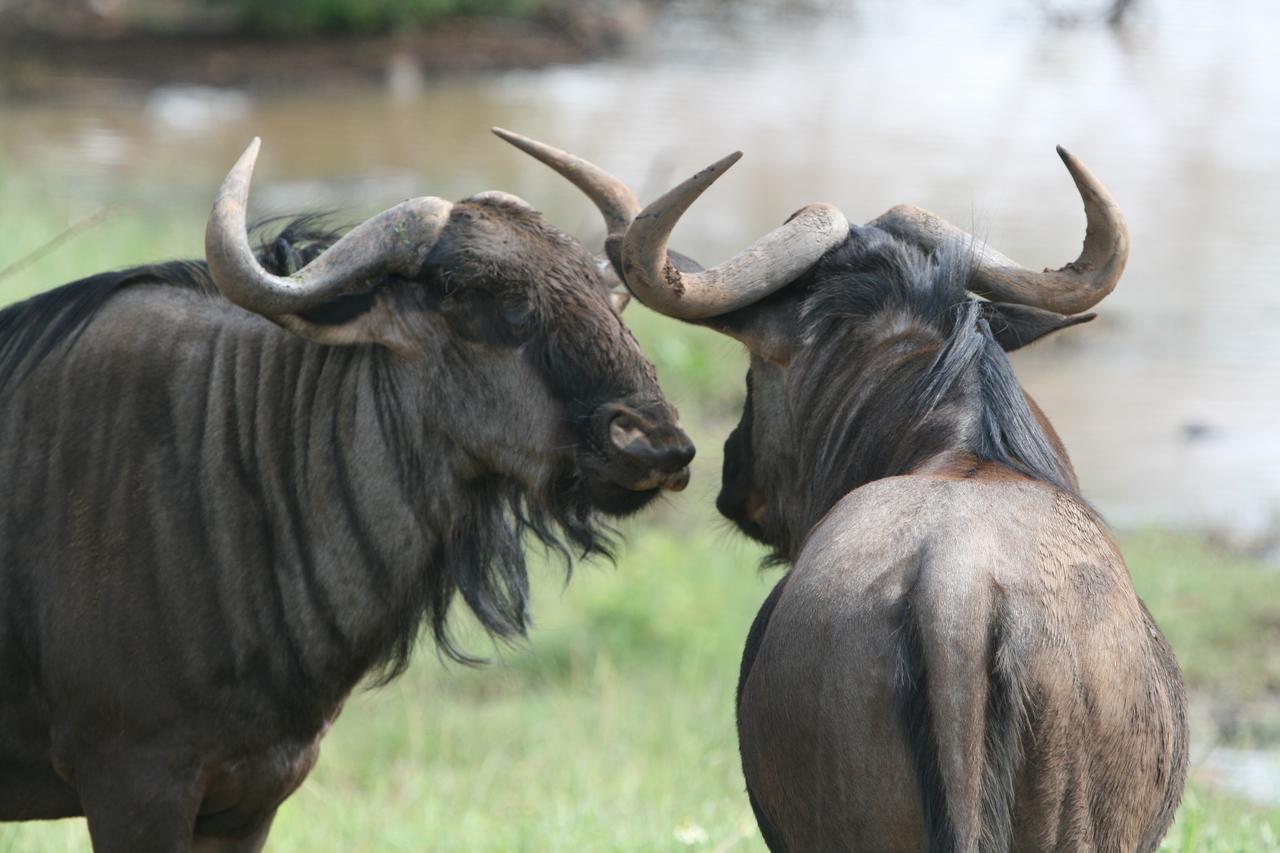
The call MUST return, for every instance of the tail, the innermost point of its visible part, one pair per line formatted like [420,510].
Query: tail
[961,812]
[1006,723]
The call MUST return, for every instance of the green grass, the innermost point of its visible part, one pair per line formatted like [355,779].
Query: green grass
[612,728]
[1209,822]
[52,239]
[611,731]
[1221,613]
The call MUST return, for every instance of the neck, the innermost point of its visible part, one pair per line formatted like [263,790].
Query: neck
[391,514]
[351,544]
[907,402]
[863,420]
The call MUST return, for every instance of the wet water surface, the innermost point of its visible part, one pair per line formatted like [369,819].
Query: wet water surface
[1169,403]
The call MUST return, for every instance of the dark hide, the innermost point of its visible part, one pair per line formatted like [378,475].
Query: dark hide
[213,529]
[958,661]
[754,637]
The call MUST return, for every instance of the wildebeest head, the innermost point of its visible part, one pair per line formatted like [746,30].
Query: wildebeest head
[870,355]
[490,303]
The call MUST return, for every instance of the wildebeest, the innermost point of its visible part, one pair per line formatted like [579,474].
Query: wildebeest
[956,659]
[216,521]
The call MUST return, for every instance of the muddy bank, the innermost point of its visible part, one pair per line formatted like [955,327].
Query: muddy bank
[41,64]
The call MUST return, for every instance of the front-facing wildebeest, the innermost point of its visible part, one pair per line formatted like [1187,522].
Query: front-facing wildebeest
[216,521]
[957,659]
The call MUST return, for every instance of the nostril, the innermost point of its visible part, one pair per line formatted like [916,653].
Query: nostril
[626,434]
[662,448]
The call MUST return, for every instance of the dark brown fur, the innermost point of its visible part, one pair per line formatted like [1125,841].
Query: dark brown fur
[213,529]
[957,660]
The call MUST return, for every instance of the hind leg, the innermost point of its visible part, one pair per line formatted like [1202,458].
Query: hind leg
[136,805]
[772,837]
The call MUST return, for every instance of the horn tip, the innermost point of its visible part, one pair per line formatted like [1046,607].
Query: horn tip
[1077,169]
[720,166]
[516,139]
[729,159]
[529,146]
[249,157]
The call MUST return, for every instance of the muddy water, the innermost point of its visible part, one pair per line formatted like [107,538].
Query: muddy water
[1170,402]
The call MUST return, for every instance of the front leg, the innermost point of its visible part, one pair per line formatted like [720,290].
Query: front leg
[251,843]
[137,803]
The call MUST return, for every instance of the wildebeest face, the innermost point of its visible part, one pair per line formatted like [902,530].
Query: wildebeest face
[755,461]
[529,302]
[741,500]
[508,320]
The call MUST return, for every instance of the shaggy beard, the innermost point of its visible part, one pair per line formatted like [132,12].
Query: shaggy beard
[483,559]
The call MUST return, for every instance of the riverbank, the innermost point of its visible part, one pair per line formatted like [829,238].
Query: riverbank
[41,63]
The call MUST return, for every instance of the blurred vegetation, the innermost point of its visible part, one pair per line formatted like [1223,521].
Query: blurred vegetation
[1208,600]
[49,48]
[612,728]
[102,18]
[304,16]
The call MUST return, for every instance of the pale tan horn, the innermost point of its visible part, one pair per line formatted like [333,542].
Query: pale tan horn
[395,241]
[1075,288]
[774,260]
[614,199]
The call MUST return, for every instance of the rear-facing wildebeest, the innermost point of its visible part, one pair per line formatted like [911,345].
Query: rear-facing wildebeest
[957,659]
[216,521]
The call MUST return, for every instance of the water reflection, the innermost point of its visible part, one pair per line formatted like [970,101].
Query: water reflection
[1169,402]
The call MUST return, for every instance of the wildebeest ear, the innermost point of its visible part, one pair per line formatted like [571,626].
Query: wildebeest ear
[1015,326]
[617,292]
[619,296]
[769,328]
[365,318]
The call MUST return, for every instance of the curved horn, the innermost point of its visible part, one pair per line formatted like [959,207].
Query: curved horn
[774,260]
[394,241]
[614,199]
[1075,288]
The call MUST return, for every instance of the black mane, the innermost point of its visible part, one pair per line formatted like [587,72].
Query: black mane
[900,363]
[52,321]
[34,329]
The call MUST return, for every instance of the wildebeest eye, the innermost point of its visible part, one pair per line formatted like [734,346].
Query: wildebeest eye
[477,316]
[517,317]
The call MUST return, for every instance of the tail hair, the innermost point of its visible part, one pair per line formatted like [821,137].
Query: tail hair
[1004,725]
[916,716]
